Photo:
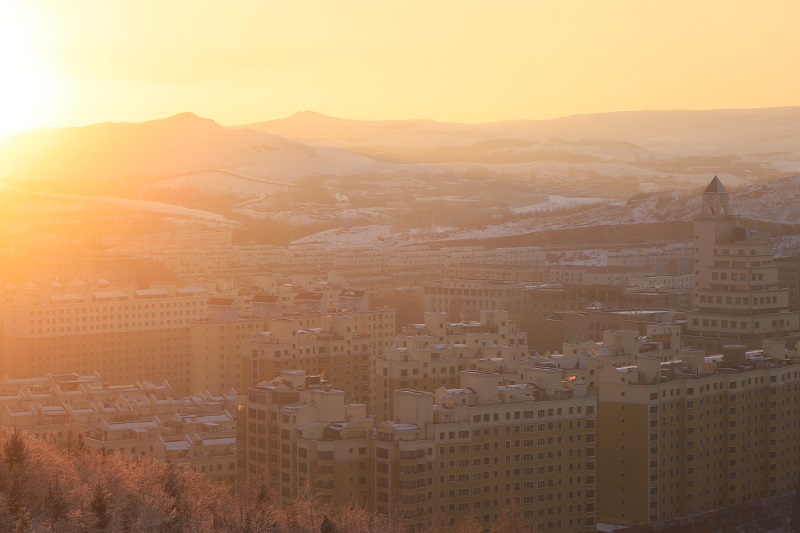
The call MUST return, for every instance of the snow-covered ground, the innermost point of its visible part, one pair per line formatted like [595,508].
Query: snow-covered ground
[775,201]
[61,204]
[215,182]
[555,202]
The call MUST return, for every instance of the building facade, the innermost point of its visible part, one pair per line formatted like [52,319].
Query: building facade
[689,439]
[433,354]
[125,334]
[737,298]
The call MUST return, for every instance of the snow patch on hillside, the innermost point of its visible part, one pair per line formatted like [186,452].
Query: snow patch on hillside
[215,182]
[556,202]
[774,201]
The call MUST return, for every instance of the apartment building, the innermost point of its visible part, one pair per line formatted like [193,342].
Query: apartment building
[126,334]
[342,346]
[217,343]
[687,440]
[464,299]
[672,260]
[471,451]
[789,276]
[591,324]
[297,430]
[545,305]
[497,272]
[432,354]
[681,282]
[189,255]
[50,266]
[527,256]
[582,359]
[447,455]
[328,444]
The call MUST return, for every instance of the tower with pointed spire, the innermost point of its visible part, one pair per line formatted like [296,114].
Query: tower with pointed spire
[737,300]
[714,223]
[716,200]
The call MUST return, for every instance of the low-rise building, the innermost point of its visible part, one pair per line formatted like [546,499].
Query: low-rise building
[141,419]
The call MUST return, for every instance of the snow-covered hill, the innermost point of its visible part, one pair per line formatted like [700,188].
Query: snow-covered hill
[379,181]
[777,201]
[765,131]
[749,144]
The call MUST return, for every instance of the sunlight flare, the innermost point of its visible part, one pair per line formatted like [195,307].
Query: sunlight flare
[29,85]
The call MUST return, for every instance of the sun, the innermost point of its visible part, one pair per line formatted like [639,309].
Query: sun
[28,84]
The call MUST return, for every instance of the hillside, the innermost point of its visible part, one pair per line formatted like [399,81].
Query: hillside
[773,203]
[312,178]
[161,149]
[747,144]
[669,132]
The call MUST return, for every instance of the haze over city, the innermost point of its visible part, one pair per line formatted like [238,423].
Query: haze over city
[399,267]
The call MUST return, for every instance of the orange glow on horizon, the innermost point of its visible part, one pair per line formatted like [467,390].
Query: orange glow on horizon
[86,62]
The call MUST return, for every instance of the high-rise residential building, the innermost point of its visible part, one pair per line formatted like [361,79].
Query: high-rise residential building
[698,437]
[217,344]
[485,446]
[464,299]
[125,334]
[737,298]
[591,324]
[298,431]
[341,345]
[448,455]
[672,259]
[433,354]
[789,276]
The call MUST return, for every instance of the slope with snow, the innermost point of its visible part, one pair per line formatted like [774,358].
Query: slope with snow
[776,201]
[747,143]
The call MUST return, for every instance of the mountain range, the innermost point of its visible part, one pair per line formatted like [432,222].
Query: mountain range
[312,169]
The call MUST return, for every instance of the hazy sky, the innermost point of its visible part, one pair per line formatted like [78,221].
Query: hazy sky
[73,62]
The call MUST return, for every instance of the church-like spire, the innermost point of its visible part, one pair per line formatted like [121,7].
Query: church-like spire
[716,203]
[716,186]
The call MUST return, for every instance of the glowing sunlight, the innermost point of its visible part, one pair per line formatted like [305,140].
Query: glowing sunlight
[29,87]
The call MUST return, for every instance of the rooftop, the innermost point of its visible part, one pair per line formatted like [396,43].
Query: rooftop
[715,187]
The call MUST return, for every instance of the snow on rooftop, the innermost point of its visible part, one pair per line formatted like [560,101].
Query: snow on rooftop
[191,290]
[110,295]
[131,426]
[152,292]
[221,441]
[404,427]
[68,297]
[460,391]
[177,446]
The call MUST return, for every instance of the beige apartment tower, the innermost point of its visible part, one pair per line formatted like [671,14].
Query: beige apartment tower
[341,346]
[433,354]
[457,453]
[127,335]
[688,440]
